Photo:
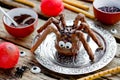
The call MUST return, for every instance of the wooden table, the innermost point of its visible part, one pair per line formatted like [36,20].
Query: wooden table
[24,44]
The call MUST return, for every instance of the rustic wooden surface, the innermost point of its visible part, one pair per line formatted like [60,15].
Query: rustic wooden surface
[24,44]
[45,74]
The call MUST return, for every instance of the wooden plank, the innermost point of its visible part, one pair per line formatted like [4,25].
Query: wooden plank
[69,14]
[49,75]
[11,4]
[29,60]
[110,27]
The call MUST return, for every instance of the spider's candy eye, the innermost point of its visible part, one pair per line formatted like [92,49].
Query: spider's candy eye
[22,53]
[61,44]
[35,69]
[68,45]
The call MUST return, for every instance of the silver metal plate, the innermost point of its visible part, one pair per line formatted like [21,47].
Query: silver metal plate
[47,55]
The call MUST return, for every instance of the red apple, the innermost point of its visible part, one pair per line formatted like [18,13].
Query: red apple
[51,7]
[9,55]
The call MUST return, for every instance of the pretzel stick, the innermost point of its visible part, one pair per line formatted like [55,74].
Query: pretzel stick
[43,36]
[31,4]
[76,4]
[102,73]
[75,9]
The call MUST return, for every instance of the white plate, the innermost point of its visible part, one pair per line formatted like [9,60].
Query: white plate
[47,56]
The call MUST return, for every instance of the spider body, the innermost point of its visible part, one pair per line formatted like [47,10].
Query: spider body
[68,44]
[68,38]
[20,70]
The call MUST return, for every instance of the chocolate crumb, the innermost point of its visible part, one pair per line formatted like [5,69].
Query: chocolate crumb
[109,9]
[21,18]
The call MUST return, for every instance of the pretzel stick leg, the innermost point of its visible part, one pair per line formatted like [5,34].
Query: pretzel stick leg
[79,17]
[62,19]
[92,34]
[40,39]
[86,45]
[49,21]
[47,31]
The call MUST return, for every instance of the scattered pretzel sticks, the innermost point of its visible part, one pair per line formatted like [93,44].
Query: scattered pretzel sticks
[102,73]
[26,2]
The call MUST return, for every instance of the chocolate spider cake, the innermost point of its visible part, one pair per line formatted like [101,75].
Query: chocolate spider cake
[68,38]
